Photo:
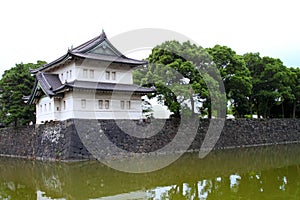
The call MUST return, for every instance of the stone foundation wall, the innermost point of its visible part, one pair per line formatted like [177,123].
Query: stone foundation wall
[79,139]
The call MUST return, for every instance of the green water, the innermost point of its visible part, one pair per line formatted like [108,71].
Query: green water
[251,173]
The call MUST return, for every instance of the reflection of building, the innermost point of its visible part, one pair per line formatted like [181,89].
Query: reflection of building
[91,81]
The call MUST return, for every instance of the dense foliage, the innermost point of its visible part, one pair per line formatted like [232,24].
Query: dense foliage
[180,85]
[254,85]
[16,83]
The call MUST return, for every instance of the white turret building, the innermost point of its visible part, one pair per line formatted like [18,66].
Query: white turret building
[91,81]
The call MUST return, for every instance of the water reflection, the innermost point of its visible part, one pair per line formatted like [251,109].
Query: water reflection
[252,173]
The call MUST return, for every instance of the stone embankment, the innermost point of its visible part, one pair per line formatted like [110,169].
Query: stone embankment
[83,139]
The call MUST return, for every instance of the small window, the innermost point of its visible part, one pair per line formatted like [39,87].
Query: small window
[107,75]
[70,74]
[85,73]
[45,107]
[128,105]
[122,105]
[67,75]
[64,105]
[62,77]
[50,109]
[92,74]
[100,104]
[83,103]
[113,76]
[41,108]
[106,104]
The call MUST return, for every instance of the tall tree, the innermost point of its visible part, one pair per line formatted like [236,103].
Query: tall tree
[16,83]
[275,87]
[286,80]
[236,77]
[271,82]
[254,63]
[295,87]
[174,69]
[272,87]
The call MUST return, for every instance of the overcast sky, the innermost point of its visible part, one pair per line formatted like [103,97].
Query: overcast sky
[34,30]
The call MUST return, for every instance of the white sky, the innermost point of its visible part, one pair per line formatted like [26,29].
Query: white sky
[34,30]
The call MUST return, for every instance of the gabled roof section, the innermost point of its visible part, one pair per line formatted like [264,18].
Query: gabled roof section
[45,84]
[98,48]
[49,82]
[105,49]
[98,45]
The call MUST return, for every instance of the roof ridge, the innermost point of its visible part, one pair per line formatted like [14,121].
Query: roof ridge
[86,44]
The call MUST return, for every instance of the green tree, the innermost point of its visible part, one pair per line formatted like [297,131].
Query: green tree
[271,85]
[263,91]
[287,79]
[16,83]
[179,84]
[295,87]
[254,63]
[236,78]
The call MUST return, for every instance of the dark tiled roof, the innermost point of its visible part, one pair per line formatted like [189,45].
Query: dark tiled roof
[83,51]
[45,66]
[90,44]
[48,82]
[109,58]
[101,86]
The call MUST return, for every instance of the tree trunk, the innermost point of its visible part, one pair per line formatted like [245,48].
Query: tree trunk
[192,104]
[282,109]
[197,197]
[250,106]
[294,109]
[257,110]
[267,110]
[209,114]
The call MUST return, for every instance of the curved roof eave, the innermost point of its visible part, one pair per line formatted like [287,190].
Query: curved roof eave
[51,64]
[104,58]
[33,95]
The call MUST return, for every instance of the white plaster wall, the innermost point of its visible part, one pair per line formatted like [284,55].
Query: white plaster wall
[57,107]
[66,105]
[46,112]
[107,115]
[123,72]
[73,106]
[66,73]
[75,71]
[92,110]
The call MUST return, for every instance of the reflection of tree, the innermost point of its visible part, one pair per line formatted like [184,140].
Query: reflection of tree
[176,192]
[187,179]
[11,190]
[190,191]
[268,184]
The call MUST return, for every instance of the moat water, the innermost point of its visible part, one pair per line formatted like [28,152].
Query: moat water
[271,172]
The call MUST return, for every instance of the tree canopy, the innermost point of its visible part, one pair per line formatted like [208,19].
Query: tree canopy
[236,77]
[180,73]
[274,87]
[16,83]
[254,85]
